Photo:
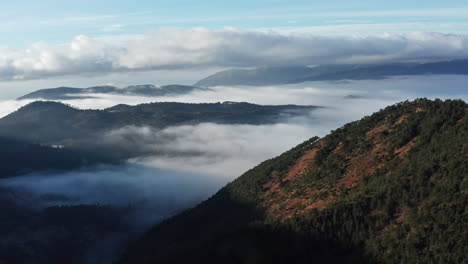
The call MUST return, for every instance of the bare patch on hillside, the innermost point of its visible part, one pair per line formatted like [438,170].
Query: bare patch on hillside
[302,165]
[402,151]
[362,165]
[283,200]
[401,214]
[376,130]
[401,119]
[420,109]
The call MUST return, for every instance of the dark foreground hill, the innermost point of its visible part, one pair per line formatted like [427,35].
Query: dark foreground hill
[64,93]
[390,188]
[298,74]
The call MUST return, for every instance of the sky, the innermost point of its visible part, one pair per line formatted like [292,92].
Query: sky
[24,22]
[53,43]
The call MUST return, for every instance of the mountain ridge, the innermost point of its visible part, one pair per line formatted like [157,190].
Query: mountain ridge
[67,119]
[389,188]
[297,74]
[64,93]
[91,131]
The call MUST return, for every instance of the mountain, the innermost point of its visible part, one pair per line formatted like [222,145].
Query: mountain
[298,74]
[63,93]
[89,132]
[256,77]
[390,188]
[44,122]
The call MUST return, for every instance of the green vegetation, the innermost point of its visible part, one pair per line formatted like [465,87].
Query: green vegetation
[56,122]
[83,133]
[390,188]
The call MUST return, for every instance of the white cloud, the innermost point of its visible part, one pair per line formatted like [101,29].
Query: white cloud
[365,28]
[224,151]
[378,92]
[188,163]
[8,106]
[176,48]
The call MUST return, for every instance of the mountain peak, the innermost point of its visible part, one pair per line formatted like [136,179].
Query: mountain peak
[46,105]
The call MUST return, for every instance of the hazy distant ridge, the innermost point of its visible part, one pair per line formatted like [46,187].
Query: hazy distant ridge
[298,74]
[62,93]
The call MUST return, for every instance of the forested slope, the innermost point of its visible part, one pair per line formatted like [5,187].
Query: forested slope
[390,188]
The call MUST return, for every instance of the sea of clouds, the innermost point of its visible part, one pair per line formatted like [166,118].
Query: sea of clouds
[183,165]
[223,152]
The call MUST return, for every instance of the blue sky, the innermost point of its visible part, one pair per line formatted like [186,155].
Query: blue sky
[24,22]
[51,43]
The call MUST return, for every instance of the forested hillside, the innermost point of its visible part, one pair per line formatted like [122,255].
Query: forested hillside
[44,122]
[390,188]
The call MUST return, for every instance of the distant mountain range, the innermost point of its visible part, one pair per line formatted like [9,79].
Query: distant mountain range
[263,76]
[298,74]
[63,93]
[390,188]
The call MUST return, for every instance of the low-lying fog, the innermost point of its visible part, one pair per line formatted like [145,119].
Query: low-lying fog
[194,161]
[160,192]
[225,151]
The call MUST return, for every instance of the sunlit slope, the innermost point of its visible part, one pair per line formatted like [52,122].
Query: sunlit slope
[390,188]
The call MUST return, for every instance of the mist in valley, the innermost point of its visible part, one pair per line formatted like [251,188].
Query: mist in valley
[219,153]
[179,166]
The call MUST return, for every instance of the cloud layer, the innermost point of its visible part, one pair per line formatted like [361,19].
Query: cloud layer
[379,92]
[177,48]
[183,165]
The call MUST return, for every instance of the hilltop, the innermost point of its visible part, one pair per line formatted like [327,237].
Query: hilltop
[84,137]
[45,121]
[390,188]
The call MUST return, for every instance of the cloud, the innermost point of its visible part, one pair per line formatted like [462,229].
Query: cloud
[9,106]
[365,28]
[142,196]
[182,165]
[330,94]
[227,151]
[163,190]
[177,48]
[223,151]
